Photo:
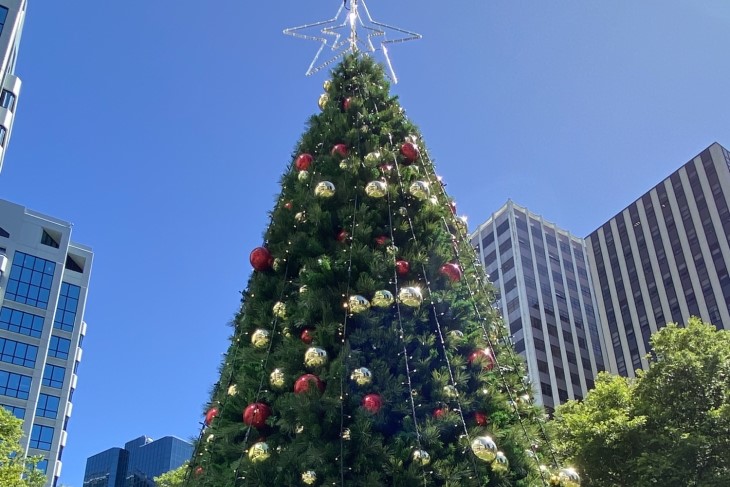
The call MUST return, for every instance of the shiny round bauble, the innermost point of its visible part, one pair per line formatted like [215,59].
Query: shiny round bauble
[402,267]
[452,207]
[324,189]
[327,84]
[315,357]
[462,224]
[403,211]
[303,289]
[382,299]
[303,161]
[392,250]
[277,379]
[362,376]
[232,390]
[288,205]
[456,336]
[451,271]
[303,175]
[483,357]
[339,150]
[277,264]
[410,152]
[301,216]
[421,457]
[373,158]
[372,403]
[481,418]
[347,434]
[261,338]
[309,477]
[357,304]
[381,239]
[256,414]
[440,413]
[199,471]
[385,169]
[376,189]
[211,415]
[346,103]
[280,310]
[419,189]
[261,259]
[324,98]
[410,296]
[342,236]
[569,477]
[500,464]
[259,452]
[484,448]
[306,382]
[450,392]
[307,336]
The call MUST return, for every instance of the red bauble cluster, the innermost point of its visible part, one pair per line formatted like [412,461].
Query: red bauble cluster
[385,168]
[481,418]
[484,356]
[256,414]
[305,382]
[288,205]
[451,271]
[372,403]
[402,267]
[210,416]
[382,240]
[410,153]
[199,471]
[303,161]
[346,103]
[342,236]
[440,413]
[307,336]
[339,150]
[261,259]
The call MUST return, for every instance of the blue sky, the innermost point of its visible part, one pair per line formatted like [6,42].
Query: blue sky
[160,130]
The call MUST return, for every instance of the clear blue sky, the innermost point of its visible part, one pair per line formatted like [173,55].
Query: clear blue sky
[160,129]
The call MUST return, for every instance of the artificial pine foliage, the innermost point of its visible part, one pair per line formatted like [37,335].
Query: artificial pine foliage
[327,250]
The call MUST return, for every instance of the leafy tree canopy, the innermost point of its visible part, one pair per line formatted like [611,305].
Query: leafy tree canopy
[15,469]
[173,478]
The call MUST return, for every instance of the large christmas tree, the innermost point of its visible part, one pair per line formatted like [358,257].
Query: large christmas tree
[367,351]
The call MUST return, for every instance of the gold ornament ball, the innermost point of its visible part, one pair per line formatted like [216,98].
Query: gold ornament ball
[419,189]
[327,85]
[280,310]
[324,98]
[309,477]
[569,477]
[373,158]
[304,289]
[276,379]
[286,331]
[484,448]
[324,189]
[421,457]
[232,390]
[301,216]
[278,263]
[392,250]
[357,304]
[315,357]
[382,299]
[261,338]
[303,175]
[362,376]
[299,429]
[410,296]
[462,224]
[403,211]
[376,189]
[451,392]
[456,336]
[259,452]
[434,201]
[347,435]
[210,438]
[500,463]
[345,164]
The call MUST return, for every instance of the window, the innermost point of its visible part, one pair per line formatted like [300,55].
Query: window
[42,466]
[7,100]
[30,280]
[53,376]
[14,385]
[16,411]
[3,17]
[17,353]
[50,240]
[3,133]
[59,347]
[47,406]
[41,437]
[68,302]
[21,322]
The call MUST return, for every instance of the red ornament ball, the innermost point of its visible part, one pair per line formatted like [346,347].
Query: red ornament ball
[452,206]
[256,414]
[440,413]
[410,153]
[342,236]
[481,418]
[385,168]
[199,471]
[261,259]
[288,205]
[339,150]
[381,240]
[305,382]
[372,403]
[483,356]
[303,161]
[346,103]
[210,416]
[307,336]
[402,267]
[451,271]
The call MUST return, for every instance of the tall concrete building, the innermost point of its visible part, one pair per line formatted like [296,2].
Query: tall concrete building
[546,298]
[665,258]
[44,278]
[12,16]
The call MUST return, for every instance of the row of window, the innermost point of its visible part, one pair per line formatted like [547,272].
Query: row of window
[18,385]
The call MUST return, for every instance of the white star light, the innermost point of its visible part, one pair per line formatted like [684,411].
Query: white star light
[353,22]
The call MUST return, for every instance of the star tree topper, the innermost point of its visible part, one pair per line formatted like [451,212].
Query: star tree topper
[351,32]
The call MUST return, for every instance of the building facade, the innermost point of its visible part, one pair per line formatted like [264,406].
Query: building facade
[44,278]
[12,17]
[546,299]
[665,258]
[138,463]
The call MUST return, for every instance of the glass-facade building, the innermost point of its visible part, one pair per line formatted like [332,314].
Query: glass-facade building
[546,299]
[665,258]
[12,17]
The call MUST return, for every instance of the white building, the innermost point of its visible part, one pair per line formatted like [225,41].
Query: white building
[12,16]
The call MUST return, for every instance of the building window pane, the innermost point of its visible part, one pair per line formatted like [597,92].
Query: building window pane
[47,406]
[30,280]
[7,100]
[68,303]
[59,347]
[21,322]
[53,376]
[14,385]
[16,411]
[41,437]
[18,353]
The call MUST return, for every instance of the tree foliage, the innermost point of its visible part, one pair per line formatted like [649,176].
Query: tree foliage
[173,478]
[16,470]
[669,426]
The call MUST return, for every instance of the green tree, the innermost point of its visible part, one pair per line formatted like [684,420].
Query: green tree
[669,426]
[328,380]
[16,470]
[173,478]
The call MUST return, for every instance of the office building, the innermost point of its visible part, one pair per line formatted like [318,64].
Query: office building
[12,16]
[546,299]
[664,258]
[44,278]
[138,463]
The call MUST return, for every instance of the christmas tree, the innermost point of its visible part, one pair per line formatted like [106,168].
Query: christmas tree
[367,351]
